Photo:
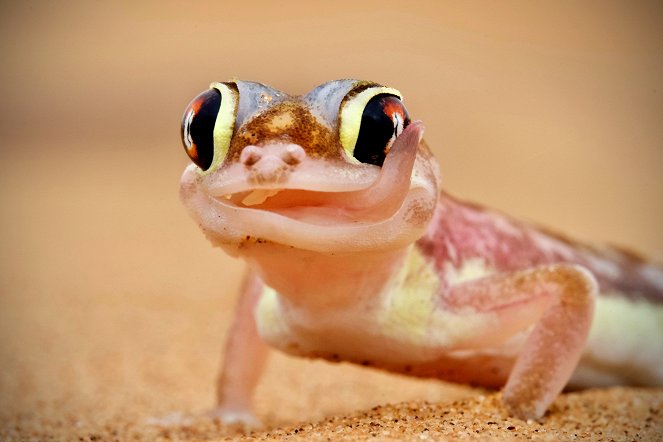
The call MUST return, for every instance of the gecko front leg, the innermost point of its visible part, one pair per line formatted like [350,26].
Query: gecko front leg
[243,360]
[557,302]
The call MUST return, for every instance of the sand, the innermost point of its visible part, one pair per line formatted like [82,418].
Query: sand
[114,308]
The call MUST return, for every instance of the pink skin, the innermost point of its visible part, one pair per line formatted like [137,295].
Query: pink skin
[245,352]
[460,231]
[327,249]
[244,360]
[559,301]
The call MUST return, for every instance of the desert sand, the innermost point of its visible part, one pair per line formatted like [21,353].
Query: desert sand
[114,308]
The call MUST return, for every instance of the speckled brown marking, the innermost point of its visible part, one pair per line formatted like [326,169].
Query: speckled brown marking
[292,346]
[632,255]
[249,241]
[425,155]
[575,285]
[481,370]
[248,137]
[418,213]
[622,255]
[425,152]
[288,122]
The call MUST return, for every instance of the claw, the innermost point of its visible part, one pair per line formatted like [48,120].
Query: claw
[244,419]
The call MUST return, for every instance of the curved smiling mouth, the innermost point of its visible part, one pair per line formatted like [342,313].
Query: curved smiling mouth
[376,202]
[313,207]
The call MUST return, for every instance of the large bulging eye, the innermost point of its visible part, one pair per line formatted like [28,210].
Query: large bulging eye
[198,127]
[371,117]
[382,121]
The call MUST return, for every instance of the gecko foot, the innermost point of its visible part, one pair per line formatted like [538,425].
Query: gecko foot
[243,420]
[529,410]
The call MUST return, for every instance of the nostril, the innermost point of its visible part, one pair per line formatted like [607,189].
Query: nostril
[293,154]
[250,155]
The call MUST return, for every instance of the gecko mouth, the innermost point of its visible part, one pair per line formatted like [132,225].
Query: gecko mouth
[310,206]
[378,201]
[313,207]
[323,219]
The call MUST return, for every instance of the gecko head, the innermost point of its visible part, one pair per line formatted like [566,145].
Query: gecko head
[340,169]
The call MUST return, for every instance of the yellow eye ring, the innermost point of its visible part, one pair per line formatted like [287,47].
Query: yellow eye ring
[225,122]
[352,108]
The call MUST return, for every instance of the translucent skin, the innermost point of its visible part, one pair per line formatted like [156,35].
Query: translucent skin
[375,266]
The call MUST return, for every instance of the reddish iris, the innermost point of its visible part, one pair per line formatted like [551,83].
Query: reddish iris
[197,128]
[378,127]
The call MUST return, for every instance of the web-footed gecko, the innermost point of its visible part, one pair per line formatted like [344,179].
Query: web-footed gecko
[356,254]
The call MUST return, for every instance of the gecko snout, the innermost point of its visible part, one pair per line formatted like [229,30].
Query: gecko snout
[271,163]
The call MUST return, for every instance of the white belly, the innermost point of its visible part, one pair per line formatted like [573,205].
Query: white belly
[625,345]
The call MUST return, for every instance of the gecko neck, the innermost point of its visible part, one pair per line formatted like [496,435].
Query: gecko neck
[322,281]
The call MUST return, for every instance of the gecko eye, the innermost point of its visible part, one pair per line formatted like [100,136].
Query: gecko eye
[370,122]
[208,123]
[383,120]
[198,127]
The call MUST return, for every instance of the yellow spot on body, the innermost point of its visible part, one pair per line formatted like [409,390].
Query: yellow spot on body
[271,326]
[410,303]
[471,269]
[412,312]
[281,121]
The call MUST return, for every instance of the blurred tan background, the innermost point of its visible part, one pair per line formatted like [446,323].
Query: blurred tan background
[111,300]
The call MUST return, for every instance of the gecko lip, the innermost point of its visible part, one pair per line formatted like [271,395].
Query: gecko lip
[313,207]
[377,216]
[315,228]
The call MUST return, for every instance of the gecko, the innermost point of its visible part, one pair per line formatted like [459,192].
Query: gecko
[355,253]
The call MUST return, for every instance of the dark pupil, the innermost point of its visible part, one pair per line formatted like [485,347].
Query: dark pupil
[376,129]
[201,127]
